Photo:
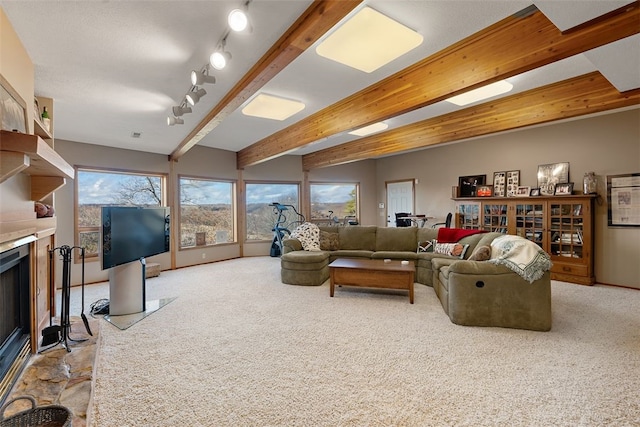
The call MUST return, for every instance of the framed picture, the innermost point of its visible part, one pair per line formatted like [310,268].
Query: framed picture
[13,115]
[512,182]
[499,179]
[550,175]
[523,191]
[484,191]
[469,184]
[534,192]
[564,189]
[623,200]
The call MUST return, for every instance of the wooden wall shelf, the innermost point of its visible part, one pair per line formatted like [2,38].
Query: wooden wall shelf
[47,168]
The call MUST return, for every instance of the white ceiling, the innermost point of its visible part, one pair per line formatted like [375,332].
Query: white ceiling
[117,67]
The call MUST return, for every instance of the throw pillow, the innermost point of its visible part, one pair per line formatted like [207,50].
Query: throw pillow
[482,253]
[452,249]
[309,236]
[425,246]
[329,241]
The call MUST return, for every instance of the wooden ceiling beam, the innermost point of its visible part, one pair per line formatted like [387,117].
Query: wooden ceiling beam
[587,94]
[512,46]
[319,18]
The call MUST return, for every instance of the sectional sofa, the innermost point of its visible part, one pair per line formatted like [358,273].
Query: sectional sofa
[472,292]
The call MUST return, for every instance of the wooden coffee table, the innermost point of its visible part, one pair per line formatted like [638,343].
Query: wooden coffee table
[372,273]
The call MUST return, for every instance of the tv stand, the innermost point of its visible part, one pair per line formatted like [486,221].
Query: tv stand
[127,288]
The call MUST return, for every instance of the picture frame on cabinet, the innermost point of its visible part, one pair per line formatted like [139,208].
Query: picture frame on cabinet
[523,191]
[551,174]
[13,109]
[468,184]
[512,183]
[484,191]
[498,183]
[563,189]
[535,192]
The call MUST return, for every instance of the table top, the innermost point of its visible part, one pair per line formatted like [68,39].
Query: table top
[372,264]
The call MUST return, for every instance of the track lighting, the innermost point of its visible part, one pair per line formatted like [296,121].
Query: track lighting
[174,121]
[220,57]
[194,96]
[238,19]
[179,110]
[198,78]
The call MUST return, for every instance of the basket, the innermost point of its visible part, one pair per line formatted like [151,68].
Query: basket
[43,416]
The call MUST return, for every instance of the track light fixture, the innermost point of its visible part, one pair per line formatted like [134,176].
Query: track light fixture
[179,110]
[194,96]
[198,78]
[174,121]
[220,57]
[238,19]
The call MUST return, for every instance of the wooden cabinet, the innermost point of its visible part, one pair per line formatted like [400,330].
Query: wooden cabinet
[562,226]
[41,291]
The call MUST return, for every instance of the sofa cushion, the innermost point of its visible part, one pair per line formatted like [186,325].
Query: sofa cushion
[309,235]
[329,241]
[451,249]
[351,253]
[481,253]
[303,260]
[396,239]
[408,255]
[358,237]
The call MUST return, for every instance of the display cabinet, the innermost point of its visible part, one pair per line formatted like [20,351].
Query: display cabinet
[562,226]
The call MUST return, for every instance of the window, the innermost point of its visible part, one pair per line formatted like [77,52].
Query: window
[96,188]
[334,200]
[260,216]
[206,212]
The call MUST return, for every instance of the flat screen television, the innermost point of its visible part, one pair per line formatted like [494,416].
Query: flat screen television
[130,233]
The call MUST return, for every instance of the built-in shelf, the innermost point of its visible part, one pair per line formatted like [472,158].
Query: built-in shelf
[47,168]
[39,129]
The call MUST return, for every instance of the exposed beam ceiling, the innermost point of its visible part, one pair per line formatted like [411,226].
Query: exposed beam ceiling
[514,45]
[587,94]
[319,18]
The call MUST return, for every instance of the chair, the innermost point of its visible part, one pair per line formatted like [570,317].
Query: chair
[402,222]
[446,223]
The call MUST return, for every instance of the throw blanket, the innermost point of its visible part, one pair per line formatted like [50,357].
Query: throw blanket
[452,235]
[309,235]
[520,255]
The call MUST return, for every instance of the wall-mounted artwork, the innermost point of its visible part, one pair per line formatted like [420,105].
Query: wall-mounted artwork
[12,109]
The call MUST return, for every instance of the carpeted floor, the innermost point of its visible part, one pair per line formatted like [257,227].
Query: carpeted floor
[239,348]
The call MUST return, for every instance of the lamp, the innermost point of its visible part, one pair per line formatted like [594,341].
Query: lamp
[220,57]
[179,110]
[174,121]
[194,96]
[202,77]
[238,19]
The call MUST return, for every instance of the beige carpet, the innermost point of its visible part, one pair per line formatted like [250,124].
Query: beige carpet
[239,348]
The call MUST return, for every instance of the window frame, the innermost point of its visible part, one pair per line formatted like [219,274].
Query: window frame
[298,185]
[328,220]
[234,210]
[77,229]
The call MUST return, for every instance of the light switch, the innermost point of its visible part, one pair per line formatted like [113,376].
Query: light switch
[380,205]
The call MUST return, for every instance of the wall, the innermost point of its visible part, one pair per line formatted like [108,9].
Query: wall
[607,144]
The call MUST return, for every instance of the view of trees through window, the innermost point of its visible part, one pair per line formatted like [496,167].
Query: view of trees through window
[96,189]
[260,216]
[335,200]
[206,212]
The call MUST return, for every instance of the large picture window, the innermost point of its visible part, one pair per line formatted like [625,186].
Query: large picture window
[98,188]
[260,216]
[206,212]
[334,202]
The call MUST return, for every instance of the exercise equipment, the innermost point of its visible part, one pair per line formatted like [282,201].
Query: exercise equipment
[283,225]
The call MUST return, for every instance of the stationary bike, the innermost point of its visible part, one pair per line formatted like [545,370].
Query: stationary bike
[282,227]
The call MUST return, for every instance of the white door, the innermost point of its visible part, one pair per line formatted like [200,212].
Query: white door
[399,199]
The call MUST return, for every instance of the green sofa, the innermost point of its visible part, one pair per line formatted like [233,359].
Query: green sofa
[473,293]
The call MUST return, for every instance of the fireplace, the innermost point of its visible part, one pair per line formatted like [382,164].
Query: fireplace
[15,318]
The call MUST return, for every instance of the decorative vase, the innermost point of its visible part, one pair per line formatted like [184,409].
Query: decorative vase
[590,183]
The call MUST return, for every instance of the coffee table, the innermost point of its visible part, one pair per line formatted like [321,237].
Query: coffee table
[372,273]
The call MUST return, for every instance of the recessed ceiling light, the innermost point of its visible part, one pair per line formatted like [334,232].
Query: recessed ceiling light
[272,107]
[368,41]
[368,130]
[484,92]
